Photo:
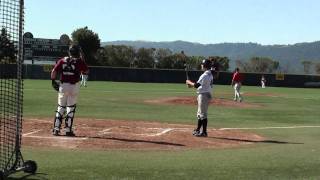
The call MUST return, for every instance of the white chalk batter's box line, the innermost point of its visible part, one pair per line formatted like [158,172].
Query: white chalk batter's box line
[104,131]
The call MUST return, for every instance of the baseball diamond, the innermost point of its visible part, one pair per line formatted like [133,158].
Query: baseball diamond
[159,90]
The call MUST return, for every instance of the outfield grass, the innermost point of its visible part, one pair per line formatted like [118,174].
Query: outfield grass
[290,153]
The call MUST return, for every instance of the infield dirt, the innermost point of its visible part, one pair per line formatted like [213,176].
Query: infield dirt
[139,135]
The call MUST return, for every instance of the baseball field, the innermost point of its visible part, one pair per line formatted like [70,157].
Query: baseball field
[133,131]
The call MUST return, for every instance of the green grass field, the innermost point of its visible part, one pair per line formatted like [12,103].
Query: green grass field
[291,153]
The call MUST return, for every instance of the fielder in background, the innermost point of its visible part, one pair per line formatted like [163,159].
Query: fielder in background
[69,68]
[84,75]
[236,83]
[263,81]
[84,79]
[204,87]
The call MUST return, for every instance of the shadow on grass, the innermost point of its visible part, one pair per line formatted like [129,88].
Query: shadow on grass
[135,140]
[35,176]
[256,141]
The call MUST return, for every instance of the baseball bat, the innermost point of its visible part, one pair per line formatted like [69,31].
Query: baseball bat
[186,70]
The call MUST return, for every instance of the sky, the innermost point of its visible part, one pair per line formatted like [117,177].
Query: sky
[265,22]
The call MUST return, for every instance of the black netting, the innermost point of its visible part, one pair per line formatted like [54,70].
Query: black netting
[11,92]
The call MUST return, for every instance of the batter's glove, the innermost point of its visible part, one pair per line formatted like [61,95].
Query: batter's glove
[55,85]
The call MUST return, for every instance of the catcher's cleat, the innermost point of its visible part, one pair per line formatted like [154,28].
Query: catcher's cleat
[202,134]
[71,134]
[196,132]
[55,132]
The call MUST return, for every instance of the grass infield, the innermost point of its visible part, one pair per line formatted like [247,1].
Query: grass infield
[290,153]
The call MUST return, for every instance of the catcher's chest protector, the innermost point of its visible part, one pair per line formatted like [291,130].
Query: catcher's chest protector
[69,66]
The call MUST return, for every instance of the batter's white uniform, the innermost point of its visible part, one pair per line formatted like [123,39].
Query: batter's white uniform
[204,94]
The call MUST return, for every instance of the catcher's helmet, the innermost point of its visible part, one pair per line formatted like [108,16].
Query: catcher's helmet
[206,63]
[74,50]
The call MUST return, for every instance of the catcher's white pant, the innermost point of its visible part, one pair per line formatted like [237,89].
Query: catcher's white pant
[68,94]
[237,95]
[67,100]
[203,104]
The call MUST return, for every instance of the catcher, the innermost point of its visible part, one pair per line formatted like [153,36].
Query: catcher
[69,68]
[204,87]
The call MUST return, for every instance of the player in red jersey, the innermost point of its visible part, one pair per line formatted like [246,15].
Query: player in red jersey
[69,68]
[236,83]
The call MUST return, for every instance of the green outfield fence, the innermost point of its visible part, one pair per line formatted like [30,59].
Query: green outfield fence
[177,76]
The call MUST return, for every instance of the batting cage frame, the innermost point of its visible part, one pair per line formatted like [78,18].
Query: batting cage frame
[11,89]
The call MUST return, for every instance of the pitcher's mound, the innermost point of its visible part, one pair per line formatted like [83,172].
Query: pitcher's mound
[193,101]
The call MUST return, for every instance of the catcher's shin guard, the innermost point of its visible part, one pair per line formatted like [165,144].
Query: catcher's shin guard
[58,120]
[71,110]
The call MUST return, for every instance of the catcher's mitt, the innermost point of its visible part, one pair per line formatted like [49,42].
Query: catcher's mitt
[55,85]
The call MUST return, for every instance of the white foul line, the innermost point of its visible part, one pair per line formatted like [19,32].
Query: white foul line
[33,132]
[105,131]
[160,133]
[282,127]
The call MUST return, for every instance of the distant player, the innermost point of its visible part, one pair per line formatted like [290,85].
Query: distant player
[84,79]
[69,69]
[263,81]
[204,87]
[236,83]
[83,75]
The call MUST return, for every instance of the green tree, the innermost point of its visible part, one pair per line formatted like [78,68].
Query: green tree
[194,62]
[7,49]
[258,64]
[306,66]
[89,42]
[160,55]
[166,62]
[117,56]
[174,61]
[223,62]
[317,68]
[144,58]
[102,57]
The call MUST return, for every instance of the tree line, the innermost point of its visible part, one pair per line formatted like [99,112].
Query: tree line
[161,58]
[310,67]
[7,48]
[130,57]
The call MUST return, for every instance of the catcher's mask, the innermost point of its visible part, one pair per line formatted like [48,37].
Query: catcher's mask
[206,63]
[74,50]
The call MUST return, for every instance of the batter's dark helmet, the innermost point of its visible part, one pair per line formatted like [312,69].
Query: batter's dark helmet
[74,50]
[206,63]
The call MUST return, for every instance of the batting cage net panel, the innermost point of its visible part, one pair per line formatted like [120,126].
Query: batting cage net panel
[11,85]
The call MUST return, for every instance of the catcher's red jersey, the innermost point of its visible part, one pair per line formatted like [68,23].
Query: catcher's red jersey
[70,69]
